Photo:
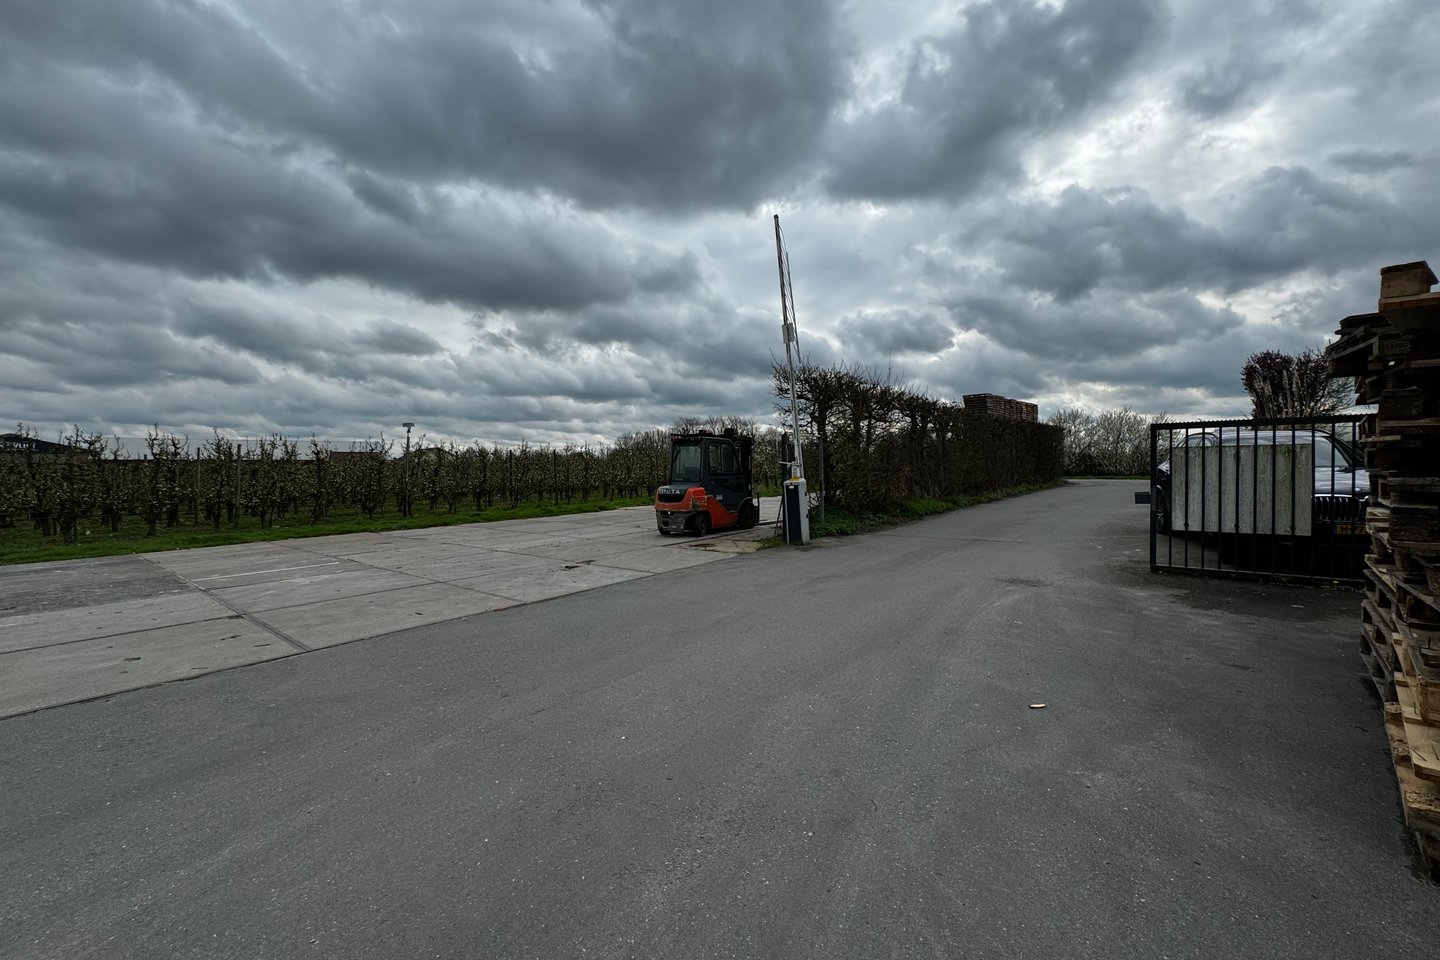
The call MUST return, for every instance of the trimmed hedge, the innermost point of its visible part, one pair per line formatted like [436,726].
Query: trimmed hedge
[884,443]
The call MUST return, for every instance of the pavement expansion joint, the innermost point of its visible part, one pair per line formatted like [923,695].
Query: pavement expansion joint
[255,573]
[123,633]
[242,614]
[430,581]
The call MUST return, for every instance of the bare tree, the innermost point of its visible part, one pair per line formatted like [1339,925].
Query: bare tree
[1293,385]
[158,488]
[1079,426]
[1115,442]
[77,476]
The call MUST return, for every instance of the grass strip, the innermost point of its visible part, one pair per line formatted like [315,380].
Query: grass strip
[20,544]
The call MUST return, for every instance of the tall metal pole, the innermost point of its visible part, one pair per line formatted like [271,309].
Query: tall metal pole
[787,327]
[405,510]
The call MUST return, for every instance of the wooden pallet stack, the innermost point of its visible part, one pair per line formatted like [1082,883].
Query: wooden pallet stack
[998,406]
[1394,354]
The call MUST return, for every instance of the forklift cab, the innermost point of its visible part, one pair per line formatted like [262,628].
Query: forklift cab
[710,486]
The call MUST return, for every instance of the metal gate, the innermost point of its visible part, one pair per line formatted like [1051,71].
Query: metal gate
[1259,498]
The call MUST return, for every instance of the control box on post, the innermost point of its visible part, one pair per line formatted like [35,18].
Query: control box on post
[797,512]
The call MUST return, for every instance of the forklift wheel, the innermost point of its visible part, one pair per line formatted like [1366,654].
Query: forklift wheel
[661,527]
[702,524]
[749,515]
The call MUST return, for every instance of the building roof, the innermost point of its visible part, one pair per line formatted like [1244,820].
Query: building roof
[19,441]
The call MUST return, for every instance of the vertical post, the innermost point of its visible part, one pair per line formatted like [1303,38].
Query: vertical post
[1237,498]
[1204,494]
[405,507]
[787,328]
[820,462]
[1154,489]
[797,516]
[1185,544]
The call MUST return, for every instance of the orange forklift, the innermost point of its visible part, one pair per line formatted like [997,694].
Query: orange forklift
[711,484]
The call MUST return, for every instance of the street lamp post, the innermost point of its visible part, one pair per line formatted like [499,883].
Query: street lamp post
[407,425]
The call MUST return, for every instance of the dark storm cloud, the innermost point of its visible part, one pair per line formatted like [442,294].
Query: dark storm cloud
[1391,50]
[1209,360]
[1373,161]
[278,337]
[1234,53]
[538,220]
[498,375]
[76,324]
[378,350]
[882,333]
[1220,86]
[99,343]
[982,366]
[387,197]
[1087,238]
[77,356]
[662,102]
[1158,375]
[665,102]
[1283,221]
[974,97]
[1290,219]
[193,142]
[704,337]
[143,188]
[1099,325]
[81,328]
[391,337]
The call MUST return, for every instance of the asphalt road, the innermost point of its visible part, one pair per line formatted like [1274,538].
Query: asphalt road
[826,753]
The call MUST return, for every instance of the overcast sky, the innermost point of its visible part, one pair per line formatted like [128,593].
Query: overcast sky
[551,221]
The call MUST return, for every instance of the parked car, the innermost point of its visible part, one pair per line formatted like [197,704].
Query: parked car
[1342,486]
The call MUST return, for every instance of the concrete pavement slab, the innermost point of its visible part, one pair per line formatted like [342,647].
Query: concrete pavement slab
[556,581]
[202,562]
[313,592]
[339,621]
[296,591]
[516,545]
[488,533]
[729,545]
[68,584]
[395,556]
[107,620]
[469,564]
[586,549]
[561,536]
[662,559]
[69,672]
[244,574]
[351,544]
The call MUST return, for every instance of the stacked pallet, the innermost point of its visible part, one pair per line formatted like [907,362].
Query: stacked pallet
[1394,354]
[998,406]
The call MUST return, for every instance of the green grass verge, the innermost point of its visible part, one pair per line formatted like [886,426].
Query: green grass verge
[840,522]
[21,544]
